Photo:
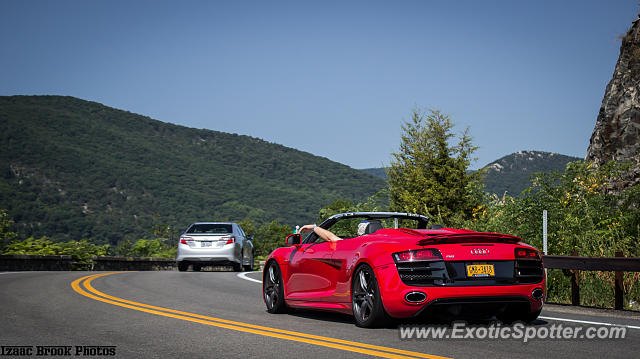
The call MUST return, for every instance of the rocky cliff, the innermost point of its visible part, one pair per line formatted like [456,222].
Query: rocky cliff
[617,132]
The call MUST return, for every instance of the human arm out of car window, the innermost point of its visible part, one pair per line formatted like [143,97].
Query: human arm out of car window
[321,232]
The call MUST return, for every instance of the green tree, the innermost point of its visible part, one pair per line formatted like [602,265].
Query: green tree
[338,206]
[164,231]
[124,248]
[267,237]
[346,228]
[431,176]
[42,246]
[81,251]
[153,248]
[377,202]
[6,235]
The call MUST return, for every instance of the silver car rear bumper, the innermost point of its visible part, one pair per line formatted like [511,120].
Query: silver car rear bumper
[225,254]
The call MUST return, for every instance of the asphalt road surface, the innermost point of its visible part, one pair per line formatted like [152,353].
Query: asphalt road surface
[222,315]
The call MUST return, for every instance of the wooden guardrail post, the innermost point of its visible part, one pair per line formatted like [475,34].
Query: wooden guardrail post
[575,288]
[619,287]
[575,283]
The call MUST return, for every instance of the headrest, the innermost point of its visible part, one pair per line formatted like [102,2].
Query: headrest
[368,227]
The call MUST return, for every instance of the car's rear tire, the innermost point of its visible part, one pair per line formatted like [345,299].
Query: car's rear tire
[530,317]
[273,289]
[237,267]
[183,266]
[248,267]
[366,301]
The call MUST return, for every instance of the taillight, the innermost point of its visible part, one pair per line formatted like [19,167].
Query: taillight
[526,253]
[186,240]
[230,239]
[418,255]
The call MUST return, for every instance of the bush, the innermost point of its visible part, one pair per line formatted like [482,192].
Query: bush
[585,217]
[81,251]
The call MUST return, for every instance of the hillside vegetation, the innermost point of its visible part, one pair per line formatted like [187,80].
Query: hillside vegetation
[512,173]
[73,169]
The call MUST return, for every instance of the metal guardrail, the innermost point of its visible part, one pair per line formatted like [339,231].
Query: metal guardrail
[572,265]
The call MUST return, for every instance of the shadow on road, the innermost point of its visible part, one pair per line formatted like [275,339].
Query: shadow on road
[326,316]
[394,323]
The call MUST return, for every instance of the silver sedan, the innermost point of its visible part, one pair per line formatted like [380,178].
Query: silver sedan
[215,243]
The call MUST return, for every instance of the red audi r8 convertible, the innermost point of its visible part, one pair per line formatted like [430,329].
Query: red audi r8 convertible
[395,272]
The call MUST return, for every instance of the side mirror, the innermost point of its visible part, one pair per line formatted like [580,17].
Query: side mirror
[293,239]
[250,237]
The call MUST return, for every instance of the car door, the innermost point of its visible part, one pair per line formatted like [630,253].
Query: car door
[344,255]
[311,272]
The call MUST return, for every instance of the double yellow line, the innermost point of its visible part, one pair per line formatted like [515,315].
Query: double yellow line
[83,286]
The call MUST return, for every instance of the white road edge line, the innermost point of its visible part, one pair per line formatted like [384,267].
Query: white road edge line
[589,322]
[243,275]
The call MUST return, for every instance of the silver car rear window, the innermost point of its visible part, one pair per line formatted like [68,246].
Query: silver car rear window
[210,228]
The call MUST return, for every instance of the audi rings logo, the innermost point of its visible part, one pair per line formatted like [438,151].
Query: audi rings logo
[479,251]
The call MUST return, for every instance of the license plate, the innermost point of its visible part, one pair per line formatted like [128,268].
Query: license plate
[205,244]
[480,270]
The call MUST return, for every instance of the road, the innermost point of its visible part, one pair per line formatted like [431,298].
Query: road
[219,314]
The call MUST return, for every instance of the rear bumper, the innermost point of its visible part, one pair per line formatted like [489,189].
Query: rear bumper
[393,292]
[226,254]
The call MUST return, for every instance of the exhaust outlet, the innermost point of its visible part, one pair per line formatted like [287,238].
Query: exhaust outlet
[537,293]
[415,297]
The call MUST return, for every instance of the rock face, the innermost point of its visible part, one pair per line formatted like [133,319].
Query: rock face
[617,132]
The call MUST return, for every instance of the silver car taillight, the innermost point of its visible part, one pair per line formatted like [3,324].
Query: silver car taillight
[186,240]
[229,239]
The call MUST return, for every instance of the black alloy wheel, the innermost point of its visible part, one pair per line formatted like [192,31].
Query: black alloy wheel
[273,290]
[183,266]
[365,299]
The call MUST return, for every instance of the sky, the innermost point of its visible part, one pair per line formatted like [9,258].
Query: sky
[333,78]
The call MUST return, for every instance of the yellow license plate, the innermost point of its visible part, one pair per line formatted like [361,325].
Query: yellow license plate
[480,270]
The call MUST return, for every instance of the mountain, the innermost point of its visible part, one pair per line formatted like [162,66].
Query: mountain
[378,172]
[73,169]
[511,173]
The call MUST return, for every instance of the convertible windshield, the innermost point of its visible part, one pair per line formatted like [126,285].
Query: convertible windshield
[345,225]
[210,228]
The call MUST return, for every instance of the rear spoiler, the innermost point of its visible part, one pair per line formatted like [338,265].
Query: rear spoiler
[469,238]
